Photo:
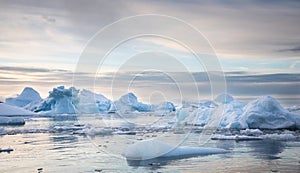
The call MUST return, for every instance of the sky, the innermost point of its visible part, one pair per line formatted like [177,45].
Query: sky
[43,43]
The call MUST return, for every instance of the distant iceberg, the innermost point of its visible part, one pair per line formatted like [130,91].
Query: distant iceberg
[27,96]
[129,103]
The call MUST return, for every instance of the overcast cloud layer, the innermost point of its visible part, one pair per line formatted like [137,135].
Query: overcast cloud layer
[41,43]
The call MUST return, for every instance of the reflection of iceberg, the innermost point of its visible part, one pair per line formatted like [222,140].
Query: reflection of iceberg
[149,149]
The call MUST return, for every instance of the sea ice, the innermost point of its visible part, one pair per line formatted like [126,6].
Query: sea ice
[12,121]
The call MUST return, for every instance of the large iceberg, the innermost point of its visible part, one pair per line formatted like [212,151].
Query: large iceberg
[59,101]
[266,113]
[262,113]
[27,96]
[90,102]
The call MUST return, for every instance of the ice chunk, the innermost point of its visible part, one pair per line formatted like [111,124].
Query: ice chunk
[27,96]
[235,137]
[6,150]
[13,110]
[149,149]
[12,121]
[293,108]
[251,132]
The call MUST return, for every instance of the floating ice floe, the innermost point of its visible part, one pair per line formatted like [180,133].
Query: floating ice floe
[6,150]
[8,110]
[274,136]
[27,96]
[149,149]
[12,121]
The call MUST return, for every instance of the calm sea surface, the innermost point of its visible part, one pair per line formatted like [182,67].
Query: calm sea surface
[53,144]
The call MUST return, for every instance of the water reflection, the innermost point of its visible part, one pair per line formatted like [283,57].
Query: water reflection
[266,149]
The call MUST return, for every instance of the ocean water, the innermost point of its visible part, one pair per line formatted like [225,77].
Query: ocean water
[53,144]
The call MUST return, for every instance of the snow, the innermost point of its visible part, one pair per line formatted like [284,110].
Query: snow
[27,96]
[90,102]
[12,121]
[13,110]
[149,149]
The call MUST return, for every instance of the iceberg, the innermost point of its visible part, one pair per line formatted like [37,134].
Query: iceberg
[164,107]
[90,102]
[59,101]
[266,113]
[224,98]
[149,149]
[129,103]
[27,96]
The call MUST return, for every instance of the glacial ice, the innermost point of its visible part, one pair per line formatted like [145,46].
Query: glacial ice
[149,149]
[27,96]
